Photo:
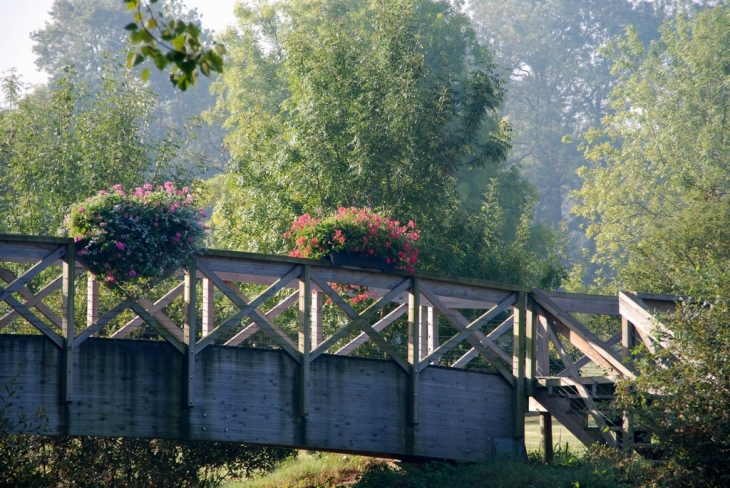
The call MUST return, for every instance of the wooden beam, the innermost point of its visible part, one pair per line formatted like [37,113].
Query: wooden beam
[305,338]
[518,364]
[154,309]
[467,331]
[584,360]
[582,390]
[105,319]
[190,335]
[208,322]
[34,301]
[35,321]
[275,311]
[398,312]
[632,307]
[248,308]
[34,271]
[414,345]
[582,338]
[477,339]
[67,325]
[493,336]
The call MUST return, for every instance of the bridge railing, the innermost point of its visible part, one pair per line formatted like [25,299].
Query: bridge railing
[306,308]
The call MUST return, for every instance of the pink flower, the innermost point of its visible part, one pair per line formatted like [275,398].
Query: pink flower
[120,246]
[82,209]
[132,273]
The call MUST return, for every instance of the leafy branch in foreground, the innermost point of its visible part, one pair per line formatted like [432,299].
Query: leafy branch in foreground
[170,42]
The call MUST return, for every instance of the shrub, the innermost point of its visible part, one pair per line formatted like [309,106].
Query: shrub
[356,231]
[149,233]
[682,395]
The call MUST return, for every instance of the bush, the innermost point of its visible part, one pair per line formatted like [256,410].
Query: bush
[682,395]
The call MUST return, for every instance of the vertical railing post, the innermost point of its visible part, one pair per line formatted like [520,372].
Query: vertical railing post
[518,367]
[190,335]
[316,318]
[542,341]
[628,342]
[530,334]
[92,301]
[68,328]
[546,437]
[414,344]
[208,306]
[305,338]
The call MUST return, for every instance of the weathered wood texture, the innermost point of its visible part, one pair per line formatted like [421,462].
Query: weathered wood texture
[133,388]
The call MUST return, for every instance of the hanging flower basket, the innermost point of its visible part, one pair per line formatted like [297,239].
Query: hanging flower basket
[145,234]
[355,237]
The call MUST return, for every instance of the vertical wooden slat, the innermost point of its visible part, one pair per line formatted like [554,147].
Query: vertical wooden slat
[433,330]
[423,333]
[518,365]
[542,344]
[316,318]
[92,301]
[67,323]
[414,343]
[208,307]
[530,346]
[627,338]
[305,337]
[190,335]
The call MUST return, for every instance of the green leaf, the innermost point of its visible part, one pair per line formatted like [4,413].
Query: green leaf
[145,74]
[131,26]
[178,42]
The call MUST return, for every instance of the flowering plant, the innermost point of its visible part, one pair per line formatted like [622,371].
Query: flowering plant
[357,231]
[147,233]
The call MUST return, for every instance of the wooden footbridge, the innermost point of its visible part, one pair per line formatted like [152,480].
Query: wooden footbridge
[271,350]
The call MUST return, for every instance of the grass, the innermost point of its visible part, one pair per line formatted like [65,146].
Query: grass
[574,467]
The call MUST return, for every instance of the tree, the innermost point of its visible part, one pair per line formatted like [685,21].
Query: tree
[60,146]
[657,196]
[360,103]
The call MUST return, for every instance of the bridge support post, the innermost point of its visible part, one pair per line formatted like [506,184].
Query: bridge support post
[189,335]
[305,338]
[518,370]
[628,342]
[530,334]
[414,345]
[68,328]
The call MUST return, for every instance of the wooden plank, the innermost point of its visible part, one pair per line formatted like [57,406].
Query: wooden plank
[248,308]
[105,319]
[33,300]
[582,338]
[35,321]
[153,308]
[530,335]
[305,338]
[67,324]
[275,311]
[398,312]
[468,330]
[585,360]
[34,271]
[577,383]
[518,365]
[208,299]
[414,344]
[357,319]
[316,317]
[190,335]
[493,335]
[262,318]
[158,327]
[584,303]
[639,315]
[477,340]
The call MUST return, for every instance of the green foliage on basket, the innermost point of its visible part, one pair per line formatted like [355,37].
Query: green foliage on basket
[358,231]
[148,233]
